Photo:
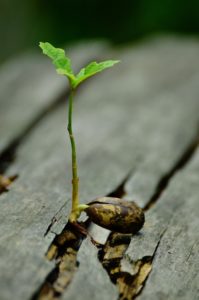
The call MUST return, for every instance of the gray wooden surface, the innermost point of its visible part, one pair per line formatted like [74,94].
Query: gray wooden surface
[137,122]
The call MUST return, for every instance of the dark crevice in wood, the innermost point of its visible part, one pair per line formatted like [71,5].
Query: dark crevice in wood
[146,268]
[180,164]
[63,250]
[119,191]
[112,253]
[8,156]
[130,284]
[54,220]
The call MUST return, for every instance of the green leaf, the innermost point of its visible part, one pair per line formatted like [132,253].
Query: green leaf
[92,69]
[60,60]
[63,65]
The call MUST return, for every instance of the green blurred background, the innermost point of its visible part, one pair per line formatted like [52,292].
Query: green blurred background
[24,23]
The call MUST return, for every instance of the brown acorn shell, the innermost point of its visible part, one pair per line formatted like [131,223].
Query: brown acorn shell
[116,214]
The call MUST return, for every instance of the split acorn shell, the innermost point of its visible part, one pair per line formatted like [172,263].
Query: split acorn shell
[116,214]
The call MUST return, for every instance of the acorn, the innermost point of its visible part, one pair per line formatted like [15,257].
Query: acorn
[116,214]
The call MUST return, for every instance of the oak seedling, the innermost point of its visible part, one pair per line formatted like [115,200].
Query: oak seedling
[111,213]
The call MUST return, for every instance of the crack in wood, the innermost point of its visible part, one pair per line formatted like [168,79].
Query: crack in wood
[112,256]
[180,164]
[63,250]
[54,220]
[8,155]
[119,191]
[112,253]
[131,285]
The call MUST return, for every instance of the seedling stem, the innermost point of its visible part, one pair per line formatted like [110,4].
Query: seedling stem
[75,179]
[63,66]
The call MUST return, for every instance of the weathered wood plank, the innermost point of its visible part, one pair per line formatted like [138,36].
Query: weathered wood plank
[124,127]
[175,266]
[165,154]
[29,86]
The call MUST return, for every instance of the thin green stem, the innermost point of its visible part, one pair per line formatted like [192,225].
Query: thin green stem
[75,179]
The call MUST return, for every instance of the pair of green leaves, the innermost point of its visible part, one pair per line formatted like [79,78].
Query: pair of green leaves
[63,65]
